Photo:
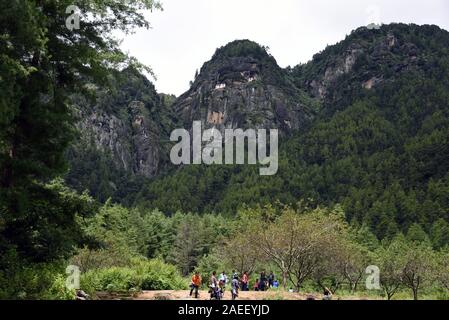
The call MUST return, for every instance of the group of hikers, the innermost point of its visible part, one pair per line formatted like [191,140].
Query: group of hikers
[217,286]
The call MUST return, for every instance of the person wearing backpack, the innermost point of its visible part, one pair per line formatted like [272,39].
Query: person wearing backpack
[222,281]
[270,279]
[235,287]
[263,281]
[214,289]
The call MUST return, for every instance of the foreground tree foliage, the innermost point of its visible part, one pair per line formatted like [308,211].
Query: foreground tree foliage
[389,258]
[419,262]
[442,269]
[308,249]
[298,243]
[41,63]
[354,259]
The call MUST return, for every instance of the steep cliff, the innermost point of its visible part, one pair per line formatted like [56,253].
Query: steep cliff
[243,87]
[120,135]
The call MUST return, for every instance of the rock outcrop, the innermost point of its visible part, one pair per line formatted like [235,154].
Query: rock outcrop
[243,87]
[122,129]
[364,60]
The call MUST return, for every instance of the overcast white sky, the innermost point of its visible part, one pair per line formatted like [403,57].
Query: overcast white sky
[187,32]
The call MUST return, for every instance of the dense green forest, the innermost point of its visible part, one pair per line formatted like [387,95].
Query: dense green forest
[364,182]
[380,153]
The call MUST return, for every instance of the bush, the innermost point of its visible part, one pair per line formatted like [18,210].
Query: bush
[142,275]
[118,279]
[59,290]
[157,275]
[34,282]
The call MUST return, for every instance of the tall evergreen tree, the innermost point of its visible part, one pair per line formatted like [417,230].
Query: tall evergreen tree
[44,58]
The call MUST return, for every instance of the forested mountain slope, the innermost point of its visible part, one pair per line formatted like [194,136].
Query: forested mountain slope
[366,125]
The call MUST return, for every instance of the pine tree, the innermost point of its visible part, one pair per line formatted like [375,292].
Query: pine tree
[42,62]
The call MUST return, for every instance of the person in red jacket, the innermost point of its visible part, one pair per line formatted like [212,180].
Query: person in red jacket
[196,283]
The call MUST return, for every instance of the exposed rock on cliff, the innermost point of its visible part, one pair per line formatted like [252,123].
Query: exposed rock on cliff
[364,60]
[243,87]
[121,134]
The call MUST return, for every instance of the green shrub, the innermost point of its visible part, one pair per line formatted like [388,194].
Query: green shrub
[157,275]
[115,279]
[34,282]
[59,290]
[142,275]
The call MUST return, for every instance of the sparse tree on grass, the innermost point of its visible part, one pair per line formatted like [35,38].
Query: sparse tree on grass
[390,262]
[419,263]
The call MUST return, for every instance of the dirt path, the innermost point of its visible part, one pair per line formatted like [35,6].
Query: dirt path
[248,295]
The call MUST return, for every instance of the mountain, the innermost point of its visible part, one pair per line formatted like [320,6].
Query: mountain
[365,124]
[368,58]
[242,86]
[125,131]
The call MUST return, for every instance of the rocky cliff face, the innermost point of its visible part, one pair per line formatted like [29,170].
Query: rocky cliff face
[145,140]
[121,124]
[364,60]
[340,66]
[107,132]
[243,87]
[120,135]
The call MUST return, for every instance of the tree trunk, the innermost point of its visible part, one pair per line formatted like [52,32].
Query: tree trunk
[284,280]
[353,287]
[415,293]
[320,284]
[389,295]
